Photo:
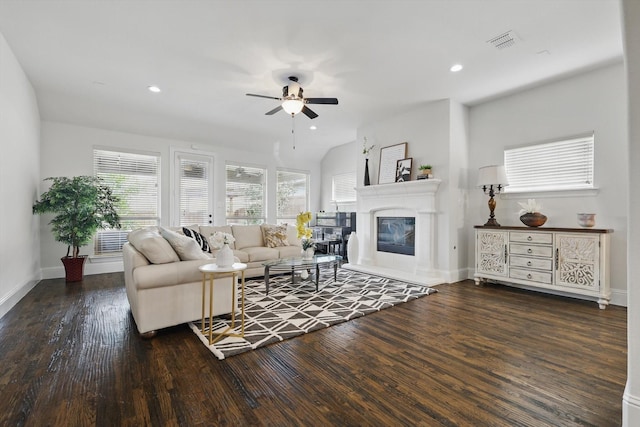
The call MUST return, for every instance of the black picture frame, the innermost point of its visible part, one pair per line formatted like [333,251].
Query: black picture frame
[403,169]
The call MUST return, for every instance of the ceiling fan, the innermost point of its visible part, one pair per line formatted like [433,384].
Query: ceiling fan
[293,102]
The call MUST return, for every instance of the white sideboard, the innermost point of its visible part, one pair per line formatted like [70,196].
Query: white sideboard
[564,261]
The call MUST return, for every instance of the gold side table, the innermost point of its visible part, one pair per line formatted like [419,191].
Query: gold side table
[209,271]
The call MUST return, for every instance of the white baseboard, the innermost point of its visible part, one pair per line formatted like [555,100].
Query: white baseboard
[89,269]
[619,297]
[630,410]
[16,294]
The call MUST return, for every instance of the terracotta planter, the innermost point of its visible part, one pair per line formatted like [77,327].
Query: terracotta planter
[73,268]
[535,219]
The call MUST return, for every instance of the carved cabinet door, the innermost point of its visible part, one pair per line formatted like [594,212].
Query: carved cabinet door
[491,252]
[577,261]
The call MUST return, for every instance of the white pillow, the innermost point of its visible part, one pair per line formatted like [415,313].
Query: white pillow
[152,245]
[186,248]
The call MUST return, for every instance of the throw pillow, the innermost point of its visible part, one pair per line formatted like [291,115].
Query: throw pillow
[186,248]
[275,235]
[199,238]
[152,245]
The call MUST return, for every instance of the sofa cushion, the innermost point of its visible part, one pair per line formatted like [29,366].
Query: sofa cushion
[292,236]
[247,236]
[208,230]
[241,255]
[261,253]
[186,248]
[289,251]
[152,245]
[201,240]
[274,235]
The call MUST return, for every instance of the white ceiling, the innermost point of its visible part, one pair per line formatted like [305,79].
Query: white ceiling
[90,61]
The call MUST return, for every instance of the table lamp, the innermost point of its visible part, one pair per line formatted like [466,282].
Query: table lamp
[492,180]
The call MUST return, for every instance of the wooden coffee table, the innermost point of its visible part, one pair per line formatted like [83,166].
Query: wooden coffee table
[299,264]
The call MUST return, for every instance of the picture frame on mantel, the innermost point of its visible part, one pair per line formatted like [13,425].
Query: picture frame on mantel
[403,170]
[389,157]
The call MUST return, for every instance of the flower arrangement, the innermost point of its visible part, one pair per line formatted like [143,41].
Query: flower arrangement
[366,150]
[530,207]
[305,232]
[219,239]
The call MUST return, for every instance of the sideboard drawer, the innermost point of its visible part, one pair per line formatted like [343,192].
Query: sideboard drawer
[535,276]
[542,251]
[521,237]
[538,263]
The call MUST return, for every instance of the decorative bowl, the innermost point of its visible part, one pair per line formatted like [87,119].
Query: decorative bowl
[586,219]
[533,219]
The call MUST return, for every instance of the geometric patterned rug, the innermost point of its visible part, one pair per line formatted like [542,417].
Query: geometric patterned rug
[292,310]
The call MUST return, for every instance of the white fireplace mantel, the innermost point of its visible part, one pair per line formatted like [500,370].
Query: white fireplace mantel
[412,198]
[403,189]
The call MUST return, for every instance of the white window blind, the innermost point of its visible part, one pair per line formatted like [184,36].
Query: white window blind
[560,165]
[292,195]
[135,180]
[246,194]
[344,187]
[194,191]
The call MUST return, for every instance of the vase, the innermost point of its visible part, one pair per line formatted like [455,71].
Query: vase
[352,248]
[224,257]
[367,181]
[307,254]
[533,219]
[586,219]
[73,268]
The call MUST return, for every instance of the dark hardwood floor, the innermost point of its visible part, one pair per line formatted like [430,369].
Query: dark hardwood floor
[465,356]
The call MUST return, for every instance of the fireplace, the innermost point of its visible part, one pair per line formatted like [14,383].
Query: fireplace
[396,235]
[412,207]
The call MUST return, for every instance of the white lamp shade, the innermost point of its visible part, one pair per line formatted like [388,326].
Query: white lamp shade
[292,106]
[492,175]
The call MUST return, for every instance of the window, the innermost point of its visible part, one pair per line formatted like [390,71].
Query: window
[559,165]
[292,195]
[135,179]
[245,194]
[344,187]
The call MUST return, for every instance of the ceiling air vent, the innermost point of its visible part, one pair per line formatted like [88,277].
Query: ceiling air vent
[504,40]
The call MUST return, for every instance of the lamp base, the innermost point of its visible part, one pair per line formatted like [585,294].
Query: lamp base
[492,223]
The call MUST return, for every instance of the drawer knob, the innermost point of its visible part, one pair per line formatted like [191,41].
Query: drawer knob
[529,238]
[529,276]
[529,250]
[528,263]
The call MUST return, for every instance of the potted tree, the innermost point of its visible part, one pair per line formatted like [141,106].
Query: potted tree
[81,205]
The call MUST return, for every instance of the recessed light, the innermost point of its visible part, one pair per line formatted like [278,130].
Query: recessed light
[313,127]
[154,89]
[455,68]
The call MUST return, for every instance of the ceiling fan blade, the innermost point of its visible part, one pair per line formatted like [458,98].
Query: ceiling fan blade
[307,112]
[332,101]
[263,96]
[275,110]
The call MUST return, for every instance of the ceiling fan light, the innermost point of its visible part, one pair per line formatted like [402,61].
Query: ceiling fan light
[292,106]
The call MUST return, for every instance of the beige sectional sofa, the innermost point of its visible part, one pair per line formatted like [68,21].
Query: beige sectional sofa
[162,280]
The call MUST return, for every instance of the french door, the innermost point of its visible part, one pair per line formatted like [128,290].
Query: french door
[193,189]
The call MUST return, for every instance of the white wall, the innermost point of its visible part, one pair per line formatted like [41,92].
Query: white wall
[67,150]
[427,130]
[631,35]
[19,178]
[593,101]
[338,160]
[458,193]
